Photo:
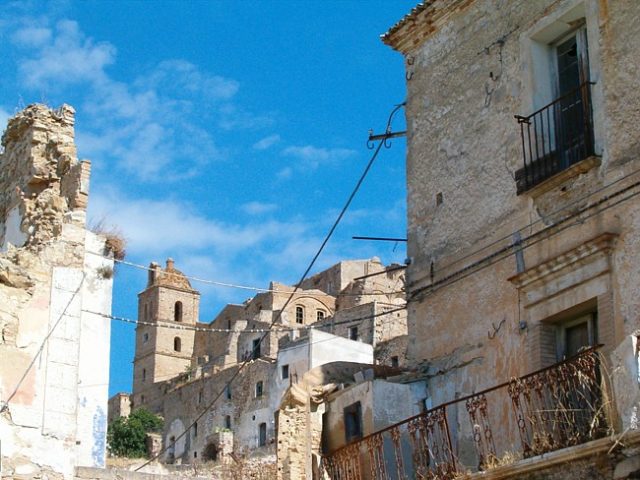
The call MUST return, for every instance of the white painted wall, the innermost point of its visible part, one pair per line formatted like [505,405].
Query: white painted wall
[327,348]
[93,366]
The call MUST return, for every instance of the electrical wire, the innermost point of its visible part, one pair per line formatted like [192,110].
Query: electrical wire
[218,283]
[541,219]
[289,299]
[44,342]
[171,325]
[527,242]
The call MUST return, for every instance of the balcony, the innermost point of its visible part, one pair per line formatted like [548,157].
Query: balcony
[553,408]
[555,137]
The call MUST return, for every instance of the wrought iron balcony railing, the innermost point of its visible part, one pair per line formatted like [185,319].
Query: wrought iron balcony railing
[556,407]
[555,137]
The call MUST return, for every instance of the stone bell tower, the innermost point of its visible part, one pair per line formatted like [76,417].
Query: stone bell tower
[163,353]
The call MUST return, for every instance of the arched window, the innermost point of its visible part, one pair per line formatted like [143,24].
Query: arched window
[177,312]
[144,374]
[177,344]
[299,314]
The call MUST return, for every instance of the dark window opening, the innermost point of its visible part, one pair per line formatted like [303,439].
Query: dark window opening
[195,429]
[262,435]
[177,344]
[299,315]
[353,333]
[560,134]
[259,390]
[353,422]
[144,375]
[227,391]
[255,351]
[285,372]
[227,422]
[319,315]
[210,453]
[575,335]
[200,396]
[395,362]
[177,312]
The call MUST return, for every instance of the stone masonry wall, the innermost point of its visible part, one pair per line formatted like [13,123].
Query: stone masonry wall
[52,273]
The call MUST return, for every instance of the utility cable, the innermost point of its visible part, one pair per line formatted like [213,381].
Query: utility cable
[251,288]
[172,325]
[541,219]
[527,242]
[41,348]
[289,299]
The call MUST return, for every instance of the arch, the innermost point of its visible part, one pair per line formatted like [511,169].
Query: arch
[177,311]
[177,344]
[210,453]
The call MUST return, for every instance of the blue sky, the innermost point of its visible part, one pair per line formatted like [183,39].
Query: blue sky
[226,135]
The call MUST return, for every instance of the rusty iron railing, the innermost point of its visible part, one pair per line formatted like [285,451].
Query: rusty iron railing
[555,137]
[556,407]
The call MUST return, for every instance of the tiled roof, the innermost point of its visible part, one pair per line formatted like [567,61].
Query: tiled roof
[403,21]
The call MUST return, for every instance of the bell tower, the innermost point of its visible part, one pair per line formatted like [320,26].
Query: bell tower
[163,352]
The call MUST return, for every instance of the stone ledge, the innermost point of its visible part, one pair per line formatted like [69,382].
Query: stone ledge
[561,177]
[559,457]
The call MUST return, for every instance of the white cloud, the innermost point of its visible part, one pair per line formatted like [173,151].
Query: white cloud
[314,156]
[70,58]
[183,76]
[258,208]
[285,173]
[266,142]
[147,128]
[32,36]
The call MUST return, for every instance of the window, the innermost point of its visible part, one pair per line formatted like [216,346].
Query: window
[177,312]
[144,375]
[299,314]
[285,372]
[195,429]
[262,434]
[145,338]
[353,333]
[259,389]
[177,344]
[574,335]
[146,311]
[395,362]
[560,133]
[319,315]
[227,392]
[200,396]
[255,350]
[227,422]
[195,454]
[228,324]
[141,398]
[353,422]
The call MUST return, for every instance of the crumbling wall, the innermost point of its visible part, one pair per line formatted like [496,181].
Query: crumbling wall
[53,272]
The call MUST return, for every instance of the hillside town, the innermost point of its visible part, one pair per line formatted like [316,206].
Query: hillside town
[505,346]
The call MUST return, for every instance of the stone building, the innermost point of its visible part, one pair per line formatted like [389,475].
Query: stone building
[55,287]
[262,347]
[523,226]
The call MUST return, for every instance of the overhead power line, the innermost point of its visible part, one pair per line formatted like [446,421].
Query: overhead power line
[291,295]
[194,328]
[306,293]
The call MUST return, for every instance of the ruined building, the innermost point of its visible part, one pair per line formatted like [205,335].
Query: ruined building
[523,174]
[55,283]
[351,312]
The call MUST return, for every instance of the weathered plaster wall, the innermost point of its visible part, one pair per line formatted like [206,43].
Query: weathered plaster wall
[493,274]
[52,273]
